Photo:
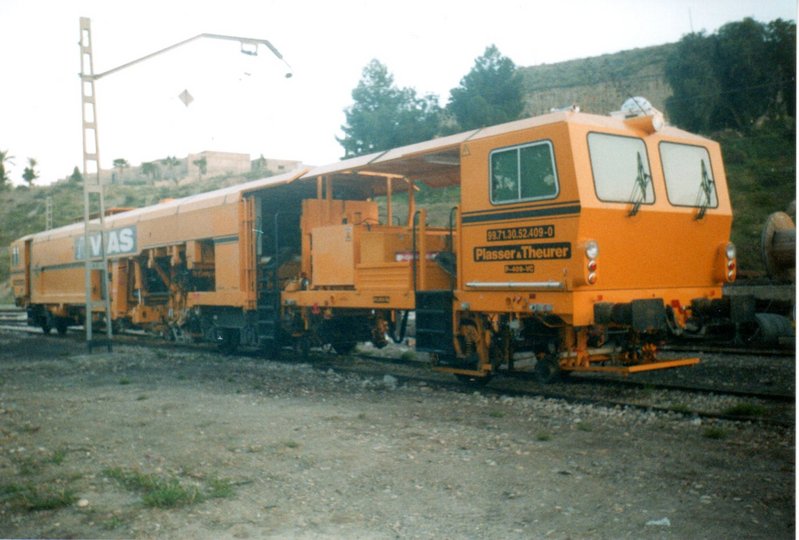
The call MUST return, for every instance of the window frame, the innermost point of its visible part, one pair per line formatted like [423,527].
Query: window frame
[593,172]
[518,148]
[666,180]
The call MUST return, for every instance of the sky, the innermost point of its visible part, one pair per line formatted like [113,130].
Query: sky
[244,103]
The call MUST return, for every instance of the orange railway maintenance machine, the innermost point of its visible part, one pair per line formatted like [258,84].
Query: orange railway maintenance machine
[561,243]
[577,240]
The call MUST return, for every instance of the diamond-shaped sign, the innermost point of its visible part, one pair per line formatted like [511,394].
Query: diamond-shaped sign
[186,98]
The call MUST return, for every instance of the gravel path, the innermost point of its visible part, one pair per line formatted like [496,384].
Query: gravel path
[283,450]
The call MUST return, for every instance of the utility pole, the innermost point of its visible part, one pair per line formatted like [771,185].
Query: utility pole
[92,189]
[94,232]
[48,213]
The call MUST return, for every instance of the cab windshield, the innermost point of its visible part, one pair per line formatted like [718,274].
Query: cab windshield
[688,175]
[621,169]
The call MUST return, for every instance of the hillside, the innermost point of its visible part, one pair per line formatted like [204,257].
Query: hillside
[599,84]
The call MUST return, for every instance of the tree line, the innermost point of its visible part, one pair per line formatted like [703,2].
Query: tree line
[385,116]
[734,78]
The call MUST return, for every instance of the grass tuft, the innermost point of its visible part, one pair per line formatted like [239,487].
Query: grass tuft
[681,408]
[745,409]
[58,456]
[169,492]
[715,433]
[36,498]
[219,488]
[408,356]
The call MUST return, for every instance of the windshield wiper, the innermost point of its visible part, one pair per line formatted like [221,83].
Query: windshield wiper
[639,188]
[706,189]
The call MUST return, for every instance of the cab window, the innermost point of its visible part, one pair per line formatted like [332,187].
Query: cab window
[621,169]
[689,178]
[523,173]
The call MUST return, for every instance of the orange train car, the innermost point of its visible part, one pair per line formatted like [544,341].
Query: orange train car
[578,242]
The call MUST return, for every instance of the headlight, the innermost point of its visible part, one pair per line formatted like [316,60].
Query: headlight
[591,249]
[730,250]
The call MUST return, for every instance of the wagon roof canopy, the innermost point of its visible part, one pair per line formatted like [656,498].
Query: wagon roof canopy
[435,163]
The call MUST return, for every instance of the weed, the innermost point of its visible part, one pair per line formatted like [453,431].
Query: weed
[163,492]
[496,414]
[123,381]
[170,494]
[141,398]
[543,436]
[647,390]
[291,444]
[28,465]
[46,498]
[681,408]
[745,409]
[114,522]
[34,498]
[9,490]
[219,488]
[58,456]
[584,426]
[408,356]
[716,433]
[32,464]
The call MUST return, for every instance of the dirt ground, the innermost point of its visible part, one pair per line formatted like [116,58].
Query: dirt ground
[182,443]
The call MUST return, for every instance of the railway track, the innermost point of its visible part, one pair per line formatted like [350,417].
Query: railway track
[698,389]
[691,402]
[695,401]
[730,349]
[11,315]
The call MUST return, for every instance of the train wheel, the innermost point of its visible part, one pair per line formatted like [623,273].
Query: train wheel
[269,350]
[302,346]
[228,340]
[547,370]
[61,325]
[344,347]
[46,323]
